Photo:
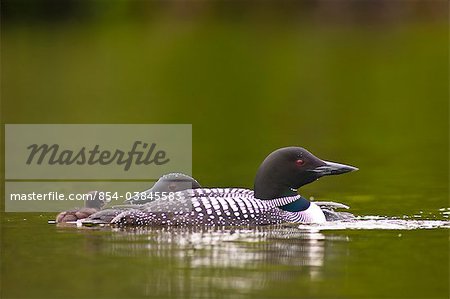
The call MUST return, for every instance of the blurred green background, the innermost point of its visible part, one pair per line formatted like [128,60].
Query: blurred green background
[358,82]
[361,82]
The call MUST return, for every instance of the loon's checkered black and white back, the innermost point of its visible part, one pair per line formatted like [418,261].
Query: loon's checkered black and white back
[217,206]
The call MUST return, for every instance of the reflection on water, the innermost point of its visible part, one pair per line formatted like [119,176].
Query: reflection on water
[228,247]
[236,260]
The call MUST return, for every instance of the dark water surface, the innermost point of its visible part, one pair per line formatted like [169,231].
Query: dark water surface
[45,261]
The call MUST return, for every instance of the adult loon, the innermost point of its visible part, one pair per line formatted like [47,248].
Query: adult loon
[274,199]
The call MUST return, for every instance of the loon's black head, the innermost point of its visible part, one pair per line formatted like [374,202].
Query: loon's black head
[287,169]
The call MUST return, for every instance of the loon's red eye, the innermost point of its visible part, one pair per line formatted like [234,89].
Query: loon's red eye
[299,162]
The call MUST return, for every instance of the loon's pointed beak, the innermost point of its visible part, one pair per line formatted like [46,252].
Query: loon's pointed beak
[332,168]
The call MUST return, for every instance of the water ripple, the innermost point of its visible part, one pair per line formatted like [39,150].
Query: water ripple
[378,222]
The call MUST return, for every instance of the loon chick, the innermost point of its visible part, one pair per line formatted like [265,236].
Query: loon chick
[91,206]
[274,199]
[172,182]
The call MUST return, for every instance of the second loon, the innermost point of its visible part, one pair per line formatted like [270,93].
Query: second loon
[274,199]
